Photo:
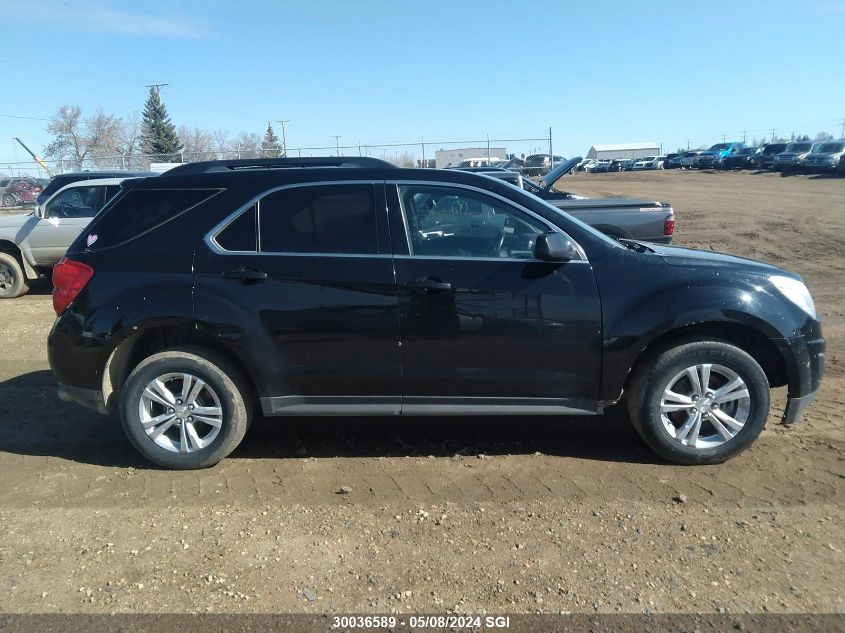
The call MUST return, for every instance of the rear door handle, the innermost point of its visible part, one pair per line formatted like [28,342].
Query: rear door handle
[245,274]
[429,284]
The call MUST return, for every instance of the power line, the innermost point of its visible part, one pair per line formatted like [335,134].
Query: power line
[28,118]
[156,87]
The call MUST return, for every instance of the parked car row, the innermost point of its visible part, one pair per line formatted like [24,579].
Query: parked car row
[821,156]
[798,155]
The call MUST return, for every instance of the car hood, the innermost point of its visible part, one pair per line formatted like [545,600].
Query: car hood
[709,153]
[681,256]
[822,155]
[561,170]
[14,221]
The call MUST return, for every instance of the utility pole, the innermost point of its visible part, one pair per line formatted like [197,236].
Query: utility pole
[688,140]
[773,134]
[284,140]
[551,155]
[488,149]
[156,87]
[724,137]
[336,138]
[744,135]
[843,129]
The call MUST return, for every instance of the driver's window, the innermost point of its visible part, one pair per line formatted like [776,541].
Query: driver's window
[456,222]
[76,202]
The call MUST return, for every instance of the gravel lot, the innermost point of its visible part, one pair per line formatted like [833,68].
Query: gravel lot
[435,515]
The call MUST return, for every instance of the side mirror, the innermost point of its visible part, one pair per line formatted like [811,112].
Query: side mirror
[40,211]
[555,247]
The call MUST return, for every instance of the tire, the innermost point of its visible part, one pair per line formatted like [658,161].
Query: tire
[13,282]
[9,200]
[660,370]
[226,390]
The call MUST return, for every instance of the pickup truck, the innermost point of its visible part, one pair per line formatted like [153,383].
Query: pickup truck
[626,218]
[714,156]
[32,243]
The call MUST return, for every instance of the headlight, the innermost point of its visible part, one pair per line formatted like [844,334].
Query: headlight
[796,292]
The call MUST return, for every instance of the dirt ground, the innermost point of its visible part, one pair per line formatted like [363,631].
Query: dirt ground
[462,515]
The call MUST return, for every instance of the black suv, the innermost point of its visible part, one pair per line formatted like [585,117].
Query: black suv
[352,287]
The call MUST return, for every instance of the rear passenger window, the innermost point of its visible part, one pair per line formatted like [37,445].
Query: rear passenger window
[320,219]
[240,234]
[141,210]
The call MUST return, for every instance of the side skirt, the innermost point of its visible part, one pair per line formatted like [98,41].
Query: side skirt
[422,405]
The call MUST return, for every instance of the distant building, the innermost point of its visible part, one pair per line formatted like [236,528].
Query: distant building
[454,157]
[624,150]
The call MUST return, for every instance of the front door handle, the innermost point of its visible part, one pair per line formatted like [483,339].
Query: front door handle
[429,284]
[245,274]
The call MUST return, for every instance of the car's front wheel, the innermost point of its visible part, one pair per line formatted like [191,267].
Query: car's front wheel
[700,402]
[13,281]
[185,408]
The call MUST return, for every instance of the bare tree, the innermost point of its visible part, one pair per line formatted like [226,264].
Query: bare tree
[222,143]
[129,138]
[198,144]
[824,136]
[78,140]
[248,145]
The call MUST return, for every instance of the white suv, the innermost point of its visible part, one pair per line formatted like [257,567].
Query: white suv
[32,243]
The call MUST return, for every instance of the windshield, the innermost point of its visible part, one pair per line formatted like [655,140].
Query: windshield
[746,151]
[719,147]
[831,148]
[777,148]
[646,158]
[799,147]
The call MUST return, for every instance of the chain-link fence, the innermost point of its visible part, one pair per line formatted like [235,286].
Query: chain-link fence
[409,154]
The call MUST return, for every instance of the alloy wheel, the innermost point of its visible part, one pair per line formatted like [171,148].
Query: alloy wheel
[705,406]
[180,412]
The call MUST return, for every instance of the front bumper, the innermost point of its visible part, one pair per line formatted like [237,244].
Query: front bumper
[795,407]
[806,363]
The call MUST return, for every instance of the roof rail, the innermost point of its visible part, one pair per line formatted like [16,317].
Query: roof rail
[211,166]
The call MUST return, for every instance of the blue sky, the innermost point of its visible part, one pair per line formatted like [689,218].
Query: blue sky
[381,71]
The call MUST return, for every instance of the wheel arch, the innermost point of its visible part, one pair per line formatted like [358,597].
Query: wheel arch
[750,340]
[8,246]
[150,340]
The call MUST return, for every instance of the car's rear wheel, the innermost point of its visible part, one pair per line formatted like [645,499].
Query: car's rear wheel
[699,402]
[9,200]
[13,281]
[185,408]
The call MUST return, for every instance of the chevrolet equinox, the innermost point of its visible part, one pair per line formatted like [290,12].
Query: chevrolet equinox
[324,286]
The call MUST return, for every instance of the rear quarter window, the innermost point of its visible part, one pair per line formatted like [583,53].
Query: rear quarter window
[140,211]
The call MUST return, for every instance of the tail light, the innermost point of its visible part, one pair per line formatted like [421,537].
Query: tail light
[69,278]
[669,225]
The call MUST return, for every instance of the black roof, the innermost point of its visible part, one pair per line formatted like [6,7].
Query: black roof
[211,166]
[108,172]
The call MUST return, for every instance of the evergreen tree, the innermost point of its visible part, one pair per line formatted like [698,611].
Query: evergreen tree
[160,138]
[270,146]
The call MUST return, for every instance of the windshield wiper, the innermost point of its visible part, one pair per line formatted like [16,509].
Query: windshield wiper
[634,245]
